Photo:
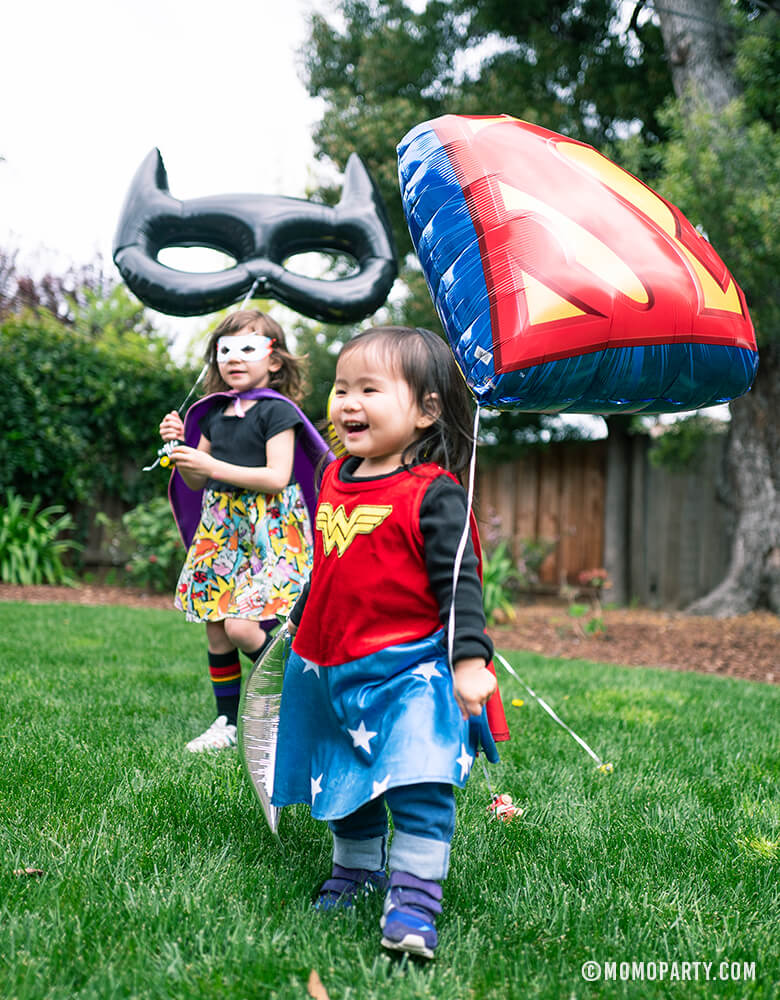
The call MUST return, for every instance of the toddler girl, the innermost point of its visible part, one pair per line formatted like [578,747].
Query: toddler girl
[371,714]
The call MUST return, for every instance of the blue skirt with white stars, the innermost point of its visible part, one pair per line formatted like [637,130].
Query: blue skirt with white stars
[349,733]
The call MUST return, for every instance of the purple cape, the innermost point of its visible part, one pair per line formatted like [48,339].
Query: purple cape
[310,452]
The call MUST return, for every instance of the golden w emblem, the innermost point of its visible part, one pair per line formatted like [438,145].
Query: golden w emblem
[339,530]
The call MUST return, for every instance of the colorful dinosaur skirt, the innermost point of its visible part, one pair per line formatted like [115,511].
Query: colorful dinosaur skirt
[249,558]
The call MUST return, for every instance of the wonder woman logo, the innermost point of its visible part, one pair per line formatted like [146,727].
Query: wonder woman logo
[339,530]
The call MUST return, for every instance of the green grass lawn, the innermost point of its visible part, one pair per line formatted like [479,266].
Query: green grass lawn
[161,879]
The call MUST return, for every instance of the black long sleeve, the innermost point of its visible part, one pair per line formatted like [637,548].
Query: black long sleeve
[442,518]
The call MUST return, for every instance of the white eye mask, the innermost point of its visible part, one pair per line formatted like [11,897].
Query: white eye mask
[243,347]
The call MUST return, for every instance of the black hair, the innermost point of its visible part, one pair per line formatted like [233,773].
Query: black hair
[428,367]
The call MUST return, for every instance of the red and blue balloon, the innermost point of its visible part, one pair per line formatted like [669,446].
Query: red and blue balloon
[564,283]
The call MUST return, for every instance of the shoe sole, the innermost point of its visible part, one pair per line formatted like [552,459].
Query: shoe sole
[412,944]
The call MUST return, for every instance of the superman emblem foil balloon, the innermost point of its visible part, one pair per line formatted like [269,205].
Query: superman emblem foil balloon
[563,282]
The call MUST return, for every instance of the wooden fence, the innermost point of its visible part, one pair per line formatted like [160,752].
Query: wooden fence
[680,534]
[554,494]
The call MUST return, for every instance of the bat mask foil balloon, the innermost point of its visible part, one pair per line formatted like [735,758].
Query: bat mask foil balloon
[260,232]
[562,281]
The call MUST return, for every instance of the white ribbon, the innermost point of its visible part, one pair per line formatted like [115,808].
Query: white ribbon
[605,768]
[463,540]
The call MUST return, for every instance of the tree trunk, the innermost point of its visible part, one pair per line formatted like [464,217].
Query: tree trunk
[753,457]
[698,47]
[699,50]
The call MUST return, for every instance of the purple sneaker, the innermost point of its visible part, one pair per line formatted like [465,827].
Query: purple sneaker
[409,921]
[345,885]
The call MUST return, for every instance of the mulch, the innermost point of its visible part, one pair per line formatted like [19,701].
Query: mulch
[747,646]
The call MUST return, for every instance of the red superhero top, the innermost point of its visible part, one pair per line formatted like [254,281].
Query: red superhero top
[374,585]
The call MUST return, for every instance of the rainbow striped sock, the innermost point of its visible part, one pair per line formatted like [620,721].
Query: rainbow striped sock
[225,673]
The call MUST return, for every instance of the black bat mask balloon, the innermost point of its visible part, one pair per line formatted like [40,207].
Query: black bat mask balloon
[260,232]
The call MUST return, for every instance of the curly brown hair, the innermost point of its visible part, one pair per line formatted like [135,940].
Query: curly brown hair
[288,379]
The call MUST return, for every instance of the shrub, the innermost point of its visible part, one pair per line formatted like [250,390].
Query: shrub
[498,577]
[146,542]
[31,548]
[80,417]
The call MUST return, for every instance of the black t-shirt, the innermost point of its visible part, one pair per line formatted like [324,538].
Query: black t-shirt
[242,440]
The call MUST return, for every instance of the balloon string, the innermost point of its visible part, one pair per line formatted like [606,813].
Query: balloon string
[249,294]
[602,766]
[463,540]
[196,383]
[487,777]
[204,369]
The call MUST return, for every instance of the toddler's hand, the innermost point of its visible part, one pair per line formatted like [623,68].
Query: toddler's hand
[171,427]
[473,684]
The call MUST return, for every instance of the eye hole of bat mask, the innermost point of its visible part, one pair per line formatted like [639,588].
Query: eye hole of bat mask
[243,347]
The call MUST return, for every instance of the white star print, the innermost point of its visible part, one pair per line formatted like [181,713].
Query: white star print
[316,788]
[464,760]
[380,787]
[427,670]
[311,666]
[361,737]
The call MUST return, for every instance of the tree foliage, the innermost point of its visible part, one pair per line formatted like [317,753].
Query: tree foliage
[84,298]
[723,169]
[562,64]
[724,172]
[382,67]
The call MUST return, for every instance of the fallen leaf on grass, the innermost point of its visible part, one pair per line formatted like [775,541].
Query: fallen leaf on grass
[315,987]
[36,872]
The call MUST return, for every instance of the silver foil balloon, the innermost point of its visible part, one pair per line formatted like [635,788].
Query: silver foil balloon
[258,722]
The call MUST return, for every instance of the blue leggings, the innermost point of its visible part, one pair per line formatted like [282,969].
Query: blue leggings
[423,823]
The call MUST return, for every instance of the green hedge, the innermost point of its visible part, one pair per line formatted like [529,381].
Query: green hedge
[80,417]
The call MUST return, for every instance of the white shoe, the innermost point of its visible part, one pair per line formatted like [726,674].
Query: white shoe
[218,736]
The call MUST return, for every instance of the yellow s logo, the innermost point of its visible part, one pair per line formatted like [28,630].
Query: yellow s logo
[339,530]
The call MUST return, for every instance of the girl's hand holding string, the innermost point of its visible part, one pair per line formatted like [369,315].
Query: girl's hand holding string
[473,684]
[171,427]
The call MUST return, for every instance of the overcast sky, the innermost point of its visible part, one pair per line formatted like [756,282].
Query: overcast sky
[87,88]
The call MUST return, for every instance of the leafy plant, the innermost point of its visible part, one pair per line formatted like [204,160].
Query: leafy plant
[31,548]
[588,618]
[498,576]
[147,542]
[531,554]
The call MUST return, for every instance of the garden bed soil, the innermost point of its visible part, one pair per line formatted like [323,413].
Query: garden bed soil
[747,646]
